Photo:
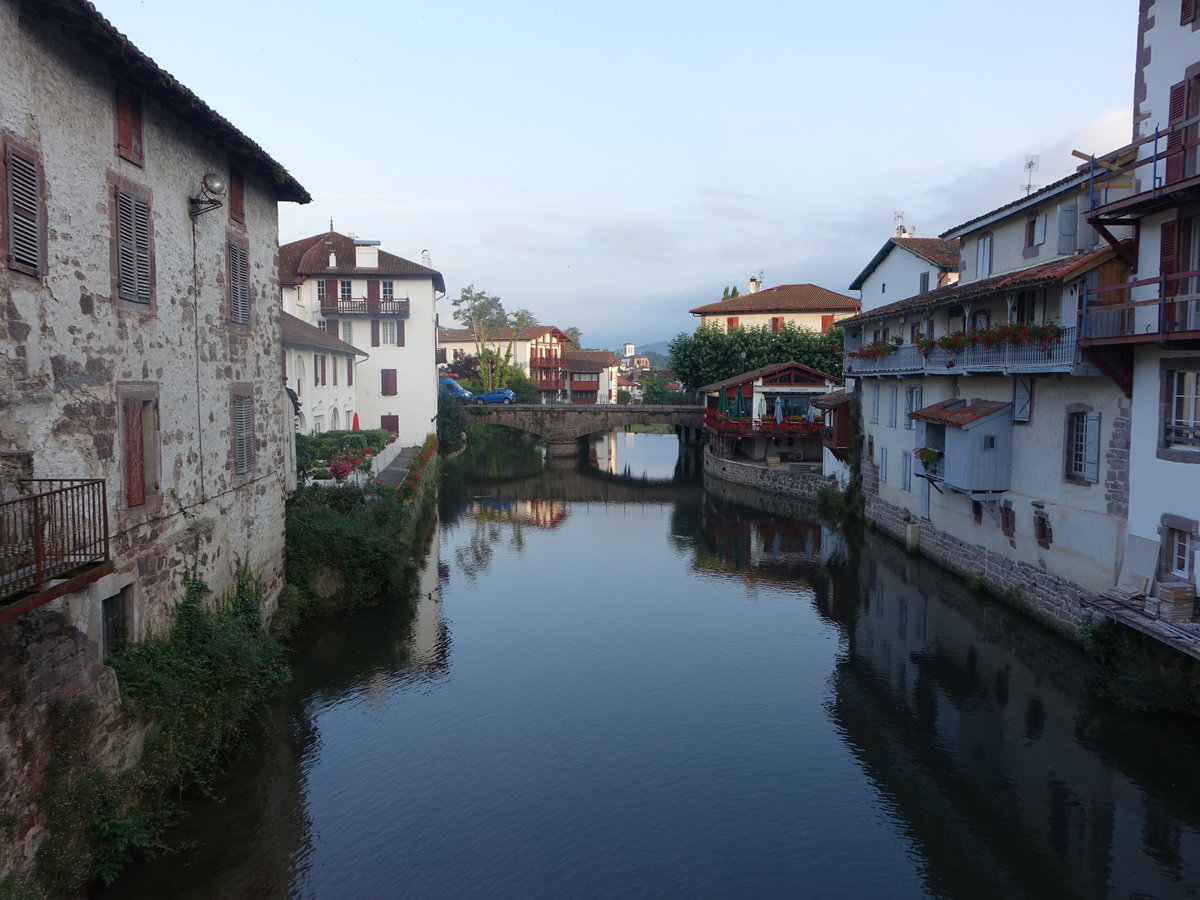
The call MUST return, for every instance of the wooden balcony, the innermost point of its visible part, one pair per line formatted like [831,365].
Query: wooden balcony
[907,359]
[1171,315]
[749,427]
[334,306]
[53,540]
[550,384]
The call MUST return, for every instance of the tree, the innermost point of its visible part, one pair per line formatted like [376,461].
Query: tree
[483,314]
[576,337]
[451,424]
[729,293]
[711,354]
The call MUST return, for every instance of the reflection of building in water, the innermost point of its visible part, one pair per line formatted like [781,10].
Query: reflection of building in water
[973,727]
[427,643]
[536,513]
[602,450]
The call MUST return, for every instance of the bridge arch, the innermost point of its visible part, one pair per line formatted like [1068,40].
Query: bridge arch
[562,426]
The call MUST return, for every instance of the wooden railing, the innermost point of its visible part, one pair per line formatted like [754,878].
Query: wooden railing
[747,426]
[55,530]
[333,306]
[1174,308]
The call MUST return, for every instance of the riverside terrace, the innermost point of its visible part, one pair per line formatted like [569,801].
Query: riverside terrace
[562,426]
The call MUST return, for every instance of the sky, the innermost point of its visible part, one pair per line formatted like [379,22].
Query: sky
[611,166]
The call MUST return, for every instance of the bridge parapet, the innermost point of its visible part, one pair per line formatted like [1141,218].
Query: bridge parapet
[559,424]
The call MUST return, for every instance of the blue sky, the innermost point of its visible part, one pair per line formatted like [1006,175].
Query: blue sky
[610,166]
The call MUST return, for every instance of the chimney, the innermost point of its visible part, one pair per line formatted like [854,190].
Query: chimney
[366,254]
[755,284]
[426,259]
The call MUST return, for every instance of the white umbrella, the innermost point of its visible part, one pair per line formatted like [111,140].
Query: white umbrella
[778,410]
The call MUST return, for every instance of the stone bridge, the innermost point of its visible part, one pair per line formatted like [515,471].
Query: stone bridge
[561,427]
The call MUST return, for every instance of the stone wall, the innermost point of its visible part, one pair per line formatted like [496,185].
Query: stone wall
[45,662]
[781,480]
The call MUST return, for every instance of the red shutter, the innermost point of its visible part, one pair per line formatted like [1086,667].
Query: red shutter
[374,332]
[237,196]
[1168,256]
[316,370]
[372,289]
[331,292]
[826,323]
[389,423]
[387,385]
[129,126]
[1187,12]
[350,372]
[1176,113]
[335,368]
[135,463]
[331,326]
[399,332]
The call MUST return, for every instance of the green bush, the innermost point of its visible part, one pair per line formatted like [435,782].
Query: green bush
[451,425]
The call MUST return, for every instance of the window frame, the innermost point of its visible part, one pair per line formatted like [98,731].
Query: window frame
[1170,369]
[345,289]
[141,492]
[388,383]
[1081,445]
[388,333]
[983,253]
[387,290]
[129,137]
[1174,531]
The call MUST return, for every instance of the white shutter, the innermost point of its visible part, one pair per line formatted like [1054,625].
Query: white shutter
[243,432]
[1091,462]
[908,406]
[1068,221]
[1022,398]
[1039,230]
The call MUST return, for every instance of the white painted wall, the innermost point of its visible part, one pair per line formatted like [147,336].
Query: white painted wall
[812,321]
[896,278]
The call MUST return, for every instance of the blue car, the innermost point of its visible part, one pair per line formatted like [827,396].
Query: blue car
[447,385]
[496,395]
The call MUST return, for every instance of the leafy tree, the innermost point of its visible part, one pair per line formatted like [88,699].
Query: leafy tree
[576,337]
[523,386]
[656,392]
[623,396]
[712,354]
[451,424]
[465,368]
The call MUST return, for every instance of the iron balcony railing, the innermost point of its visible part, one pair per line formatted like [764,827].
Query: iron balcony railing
[56,529]
[1175,308]
[363,307]
[747,426]
[1058,355]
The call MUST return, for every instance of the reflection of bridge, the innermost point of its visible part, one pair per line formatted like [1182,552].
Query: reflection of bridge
[588,486]
[561,427]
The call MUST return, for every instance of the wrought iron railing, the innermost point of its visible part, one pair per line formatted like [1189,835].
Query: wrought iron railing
[55,529]
[747,426]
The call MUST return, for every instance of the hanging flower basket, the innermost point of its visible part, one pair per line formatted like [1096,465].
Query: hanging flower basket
[874,350]
[928,456]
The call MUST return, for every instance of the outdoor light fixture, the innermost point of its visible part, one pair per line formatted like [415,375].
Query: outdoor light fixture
[212,186]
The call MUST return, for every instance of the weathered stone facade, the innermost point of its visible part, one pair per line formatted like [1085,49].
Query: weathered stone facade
[781,481]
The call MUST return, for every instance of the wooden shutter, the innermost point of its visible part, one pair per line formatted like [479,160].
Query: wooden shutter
[135,455]
[387,385]
[24,190]
[133,248]
[243,432]
[331,326]
[1176,114]
[1067,222]
[324,370]
[335,368]
[1187,12]
[316,370]
[389,423]
[1039,230]
[129,126]
[239,283]
[1091,462]
[1168,257]
[399,332]
[374,332]
[372,289]
[1022,398]
[826,323]
[237,196]
[350,372]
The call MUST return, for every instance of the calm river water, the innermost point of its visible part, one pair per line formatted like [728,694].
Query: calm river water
[610,683]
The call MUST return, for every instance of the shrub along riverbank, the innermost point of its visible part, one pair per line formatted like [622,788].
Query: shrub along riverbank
[198,684]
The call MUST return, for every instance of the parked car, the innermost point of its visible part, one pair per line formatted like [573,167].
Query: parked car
[447,385]
[496,395]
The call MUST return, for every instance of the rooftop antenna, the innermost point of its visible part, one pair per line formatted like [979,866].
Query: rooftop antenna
[1031,166]
[331,223]
[900,232]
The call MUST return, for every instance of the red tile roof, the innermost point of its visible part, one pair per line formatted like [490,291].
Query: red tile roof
[943,254]
[298,333]
[309,257]
[1047,273]
[830,400]
[957,412]
[92,34]
[765,371]
[591,360]
[784,298]
[466,335]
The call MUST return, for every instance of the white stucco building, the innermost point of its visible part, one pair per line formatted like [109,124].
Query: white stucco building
[379,303]
[538,350]
[904,266]
[319,369]
[1146,332]
[803,305]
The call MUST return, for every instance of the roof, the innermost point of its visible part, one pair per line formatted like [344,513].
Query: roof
[958,412]
[591,360]
[1075,178]
[1047,273]
[765,371]
[784,298]
[95,35]
[309,257]
[943,254]
[830,400]
[528,333]
[298,333]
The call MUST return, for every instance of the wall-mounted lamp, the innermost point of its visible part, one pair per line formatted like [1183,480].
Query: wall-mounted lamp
[212,186]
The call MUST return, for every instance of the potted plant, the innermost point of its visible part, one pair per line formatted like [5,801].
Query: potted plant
[928,455]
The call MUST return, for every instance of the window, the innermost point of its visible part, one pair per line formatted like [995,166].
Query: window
[459,354]
[826,323]
[1043,534]
[239,283]
[1082,445]
[388,290]
[923,285]
[983,256]
[776,323]
[1022,398]
[389,423]
[387,332]
[387,382]
[989,442]
[134,240]
[344,290]
[347,331]
[114,614]
[22,211]
[129,126]
[893,392]
[1183,414]
[1177,553]
[320,291]
[1035,235]
[237,196]
[243,430]
[981,320]
[1008,519]
[140,430]
[883,288]
[731,323]
[912,402]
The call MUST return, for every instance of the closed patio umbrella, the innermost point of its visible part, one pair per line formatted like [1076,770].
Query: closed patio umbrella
[778,410]
[354,427]
[723,402]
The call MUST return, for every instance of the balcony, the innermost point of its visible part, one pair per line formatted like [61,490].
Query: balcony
[53,540]
[747,427]
[1056,356]
[335,306]
[544,361]
[550,384]
[1172,314]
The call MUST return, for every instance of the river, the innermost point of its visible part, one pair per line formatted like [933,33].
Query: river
[612,682]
